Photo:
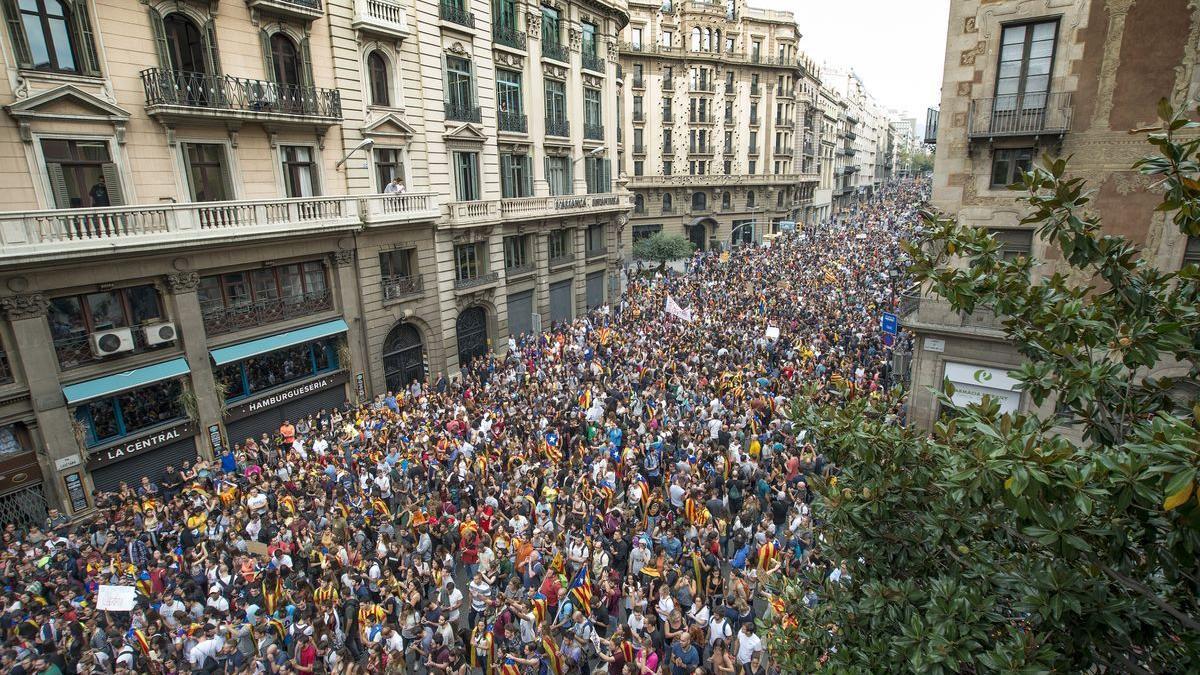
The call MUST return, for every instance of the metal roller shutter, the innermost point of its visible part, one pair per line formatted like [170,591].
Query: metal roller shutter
[561,301]
[595,289]
[520,313]
[108,478]
[269,420]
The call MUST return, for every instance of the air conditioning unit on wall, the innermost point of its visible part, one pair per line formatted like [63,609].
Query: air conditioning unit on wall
[109,342]
[160,333]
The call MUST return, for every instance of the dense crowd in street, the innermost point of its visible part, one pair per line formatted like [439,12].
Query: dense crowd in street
[623,494]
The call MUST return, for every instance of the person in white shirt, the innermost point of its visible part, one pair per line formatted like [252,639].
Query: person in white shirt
[207,649]
[216,601]
[719,629]
[749,646]
[392,641]
[454,598]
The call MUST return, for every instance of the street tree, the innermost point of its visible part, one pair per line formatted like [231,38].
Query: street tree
[662,248]
[1002,542]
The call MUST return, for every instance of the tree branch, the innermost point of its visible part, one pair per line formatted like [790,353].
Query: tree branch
[1141,589]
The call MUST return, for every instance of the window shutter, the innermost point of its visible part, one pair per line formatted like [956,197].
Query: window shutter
[58,183]
[160,40]
[306,63]
[569,189]
[89,62]
[527,163]
[210,46]
[268,61]
[112,181]
[226,178]
[12,16]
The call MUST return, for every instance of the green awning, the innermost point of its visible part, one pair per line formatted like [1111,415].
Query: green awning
[130,379]
[245,350]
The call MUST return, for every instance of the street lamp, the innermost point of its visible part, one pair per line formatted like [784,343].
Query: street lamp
[364,144]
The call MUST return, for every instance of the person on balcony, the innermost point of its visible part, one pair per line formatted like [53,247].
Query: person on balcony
[396,187]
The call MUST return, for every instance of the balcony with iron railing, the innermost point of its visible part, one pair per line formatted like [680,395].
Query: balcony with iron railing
[593,132]
[697,118]
[701,149]
[729,89]
[638,82]
[702,87]
[388,18]
[524,269]
[463,112]
[931,126]
[561,260]
[476,281]
[514,122]
[75,349]
[508,37]
[220,319]
[785,122]
[785,150]
[639,116]
[305,10]
[592,62]
[1031,114]
[639,148]
[451,11]
[558,127]
[556,51]
[399,287]
[179,96]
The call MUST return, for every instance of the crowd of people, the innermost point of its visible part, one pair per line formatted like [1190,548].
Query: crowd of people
[622,494]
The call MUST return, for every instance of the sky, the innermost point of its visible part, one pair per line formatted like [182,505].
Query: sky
[897,47]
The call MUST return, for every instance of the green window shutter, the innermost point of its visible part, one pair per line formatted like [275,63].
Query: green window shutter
[527,164]
[226,177]
[12,16]
[268,61]
[210,46]
[160,40]
[112,181]
[88,61]
[306,64]
[58,183]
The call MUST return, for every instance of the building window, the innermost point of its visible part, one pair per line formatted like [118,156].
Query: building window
[516,179]
[377,73]
[591,106]
[283,284]
[467,262]
[397,263]
[551,31]
[668,38]
[699,201]
[667,167]
[1026,57]
[638,167]
[728,167]
[595,238]
[389,164]
[666,141]
[558,244]
[81,173]
[726,200]
[750,199]
[752,164]
[1008,164]
[506,14]
[130,412]
[286,64]
[588,42]
[556,101]
[558,174]
[753,141]
[276,369]
[208,174]
[639,144]
[466,175]
[516,251]
[52,35]
[596,174]
[646,231]
[1013,243]
[635,39]
[668,206]
[667,114]
[639,204]
[1191,252]
[299,171]
[459,90]
[75,316]
[508,91]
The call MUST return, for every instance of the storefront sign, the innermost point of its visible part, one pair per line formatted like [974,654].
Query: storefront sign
[140,445]
[297,391]
[214,439]
[75,492]
[360,385]
[972,383]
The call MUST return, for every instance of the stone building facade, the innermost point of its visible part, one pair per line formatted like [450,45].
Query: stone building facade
[1046,76]
[719,114]
[198,242]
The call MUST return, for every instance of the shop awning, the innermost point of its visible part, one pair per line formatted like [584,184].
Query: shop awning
[269,344]
[130,379]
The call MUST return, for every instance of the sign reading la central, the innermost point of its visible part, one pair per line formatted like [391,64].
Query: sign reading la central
[139,445]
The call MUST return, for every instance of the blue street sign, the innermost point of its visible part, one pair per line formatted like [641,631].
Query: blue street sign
[889,323]
[888,339]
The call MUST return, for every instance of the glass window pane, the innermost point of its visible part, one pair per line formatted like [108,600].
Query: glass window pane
[237,291]
[143,304]
[265,287]
[104,419]
[106,310]
[291,287]
[314,277]
[210,292]
[66,318]
[1044,31]
[1014,35]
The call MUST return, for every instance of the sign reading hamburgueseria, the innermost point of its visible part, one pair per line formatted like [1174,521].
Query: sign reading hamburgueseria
[300,390]
[139,445]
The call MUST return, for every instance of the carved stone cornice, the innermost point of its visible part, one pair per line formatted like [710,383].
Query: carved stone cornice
[343,258]
[27,306]
[183,282]
[503,58]
[554,72]
[610,50]
[533,22]
[575,38]
[592,81]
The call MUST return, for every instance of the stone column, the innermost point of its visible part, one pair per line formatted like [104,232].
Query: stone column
[39,363]
[535,100]
[189,322]
[575,108]
[348,297]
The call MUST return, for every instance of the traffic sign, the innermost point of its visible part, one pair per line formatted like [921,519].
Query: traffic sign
[888,339]
[890,323]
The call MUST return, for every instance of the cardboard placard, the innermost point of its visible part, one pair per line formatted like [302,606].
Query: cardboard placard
[256,548]
[116,598]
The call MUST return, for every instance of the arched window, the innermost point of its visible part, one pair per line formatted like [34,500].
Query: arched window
[639,204]
[706,42]
[750,199]
[716,40]
[726,201]
[699,201]
[285,59]
[667,204]
[185,44]
[377,70]
[779,200]
[695,39]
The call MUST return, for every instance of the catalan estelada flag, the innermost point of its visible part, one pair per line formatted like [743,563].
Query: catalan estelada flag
[554,658]
[581,590]
[766,555]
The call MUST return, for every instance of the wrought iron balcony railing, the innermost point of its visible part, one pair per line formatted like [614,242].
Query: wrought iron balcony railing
[560,260]
[479,280]
[454,13]
[509,37]
[558,127]
[222,319]
[397,287]
[463,112]
[1020,115]
[592,62]
[593,132]
[216,93]
[555,50]
[512,121]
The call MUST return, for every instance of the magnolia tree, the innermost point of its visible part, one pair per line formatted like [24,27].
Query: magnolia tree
[662,248]
[999,542]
